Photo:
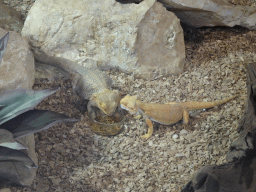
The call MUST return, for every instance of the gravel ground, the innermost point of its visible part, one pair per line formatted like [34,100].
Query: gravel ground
[73,158]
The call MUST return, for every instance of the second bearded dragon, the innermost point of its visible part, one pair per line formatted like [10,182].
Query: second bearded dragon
[166,114]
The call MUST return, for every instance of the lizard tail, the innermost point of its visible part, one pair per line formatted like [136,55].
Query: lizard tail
[62,63]
[195,105]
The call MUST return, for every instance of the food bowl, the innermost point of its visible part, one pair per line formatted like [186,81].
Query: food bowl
[105,125]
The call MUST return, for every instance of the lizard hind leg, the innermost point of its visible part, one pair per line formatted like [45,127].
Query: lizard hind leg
[150,129]
[185,117]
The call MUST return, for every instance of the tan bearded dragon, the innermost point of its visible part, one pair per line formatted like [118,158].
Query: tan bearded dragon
[166,114]
[88,83]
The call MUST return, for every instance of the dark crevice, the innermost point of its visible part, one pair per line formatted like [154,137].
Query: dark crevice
[129,1]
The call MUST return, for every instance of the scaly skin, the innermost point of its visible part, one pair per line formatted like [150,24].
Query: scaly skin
[166,114]
[88,83]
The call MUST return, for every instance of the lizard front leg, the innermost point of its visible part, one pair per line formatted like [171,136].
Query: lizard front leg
[75,77]
[185,119]
[150,129]
[91,104]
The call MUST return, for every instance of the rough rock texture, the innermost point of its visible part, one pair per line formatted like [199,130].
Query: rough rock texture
[10,19]
[200,13]
[102,34]
[17,66]
[17,70]
[229,177]
[160,43]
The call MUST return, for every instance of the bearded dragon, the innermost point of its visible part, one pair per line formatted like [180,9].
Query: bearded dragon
[165,114]
[88,83]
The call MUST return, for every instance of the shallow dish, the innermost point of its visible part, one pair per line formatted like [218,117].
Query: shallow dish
[106,125]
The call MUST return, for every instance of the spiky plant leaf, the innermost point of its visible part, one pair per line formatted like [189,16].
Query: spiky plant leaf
[7,140]
[17,119]
[7,154]
[3,45]
[18,101]
[33,121]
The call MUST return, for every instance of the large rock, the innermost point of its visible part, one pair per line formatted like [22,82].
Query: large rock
[105,34]
[160,43]
[17,71]
[211,13]
[17,68]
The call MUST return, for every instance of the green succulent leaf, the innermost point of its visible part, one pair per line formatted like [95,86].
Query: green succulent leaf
[7,154]
[3,45]
[34,121]
[7,140]
[18,101]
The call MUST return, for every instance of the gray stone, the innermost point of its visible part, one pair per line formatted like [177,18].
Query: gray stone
[17,71]
[211,13]
[160,43]
[17,68]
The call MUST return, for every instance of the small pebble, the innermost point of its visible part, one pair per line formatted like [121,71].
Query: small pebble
[175,136]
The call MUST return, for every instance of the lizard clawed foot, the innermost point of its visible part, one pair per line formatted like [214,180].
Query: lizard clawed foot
[146,136]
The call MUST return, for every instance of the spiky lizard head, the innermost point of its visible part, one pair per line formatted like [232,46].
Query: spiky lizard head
[129,103]
[107,100]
